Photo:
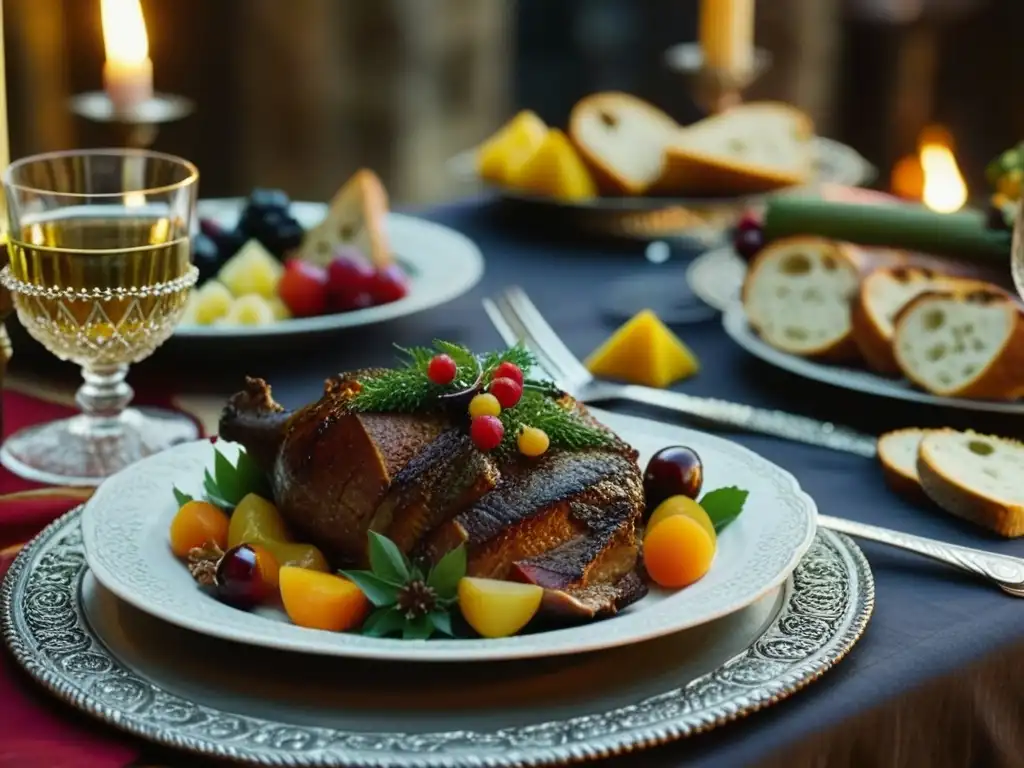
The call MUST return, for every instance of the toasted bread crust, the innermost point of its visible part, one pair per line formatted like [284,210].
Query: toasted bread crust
[609,181]
[957,499]
[1002,378]
[906,485]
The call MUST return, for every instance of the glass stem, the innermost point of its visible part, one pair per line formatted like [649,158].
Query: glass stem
[104,396]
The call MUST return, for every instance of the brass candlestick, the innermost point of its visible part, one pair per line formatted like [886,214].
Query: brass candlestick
[136,128]
[714,90]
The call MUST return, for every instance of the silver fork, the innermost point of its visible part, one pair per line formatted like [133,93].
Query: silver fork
[518,320]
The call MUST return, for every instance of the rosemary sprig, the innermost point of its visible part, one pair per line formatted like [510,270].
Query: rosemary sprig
[564,428]
[406,389]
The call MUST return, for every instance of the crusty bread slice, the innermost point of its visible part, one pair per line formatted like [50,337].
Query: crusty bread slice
[897,451]
[797,296]
[962,343]
[622,139]
[882,294]
[748,149]
[357,218]
[976,477]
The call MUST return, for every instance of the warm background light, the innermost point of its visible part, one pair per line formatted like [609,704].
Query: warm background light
[124,31]
[932,176]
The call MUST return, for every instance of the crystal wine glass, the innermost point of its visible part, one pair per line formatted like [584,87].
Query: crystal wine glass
[1017,258]
[100,272]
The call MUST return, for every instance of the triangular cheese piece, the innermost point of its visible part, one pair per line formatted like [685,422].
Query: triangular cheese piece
[357,219]
[556,170]
[501,155]
[644,351]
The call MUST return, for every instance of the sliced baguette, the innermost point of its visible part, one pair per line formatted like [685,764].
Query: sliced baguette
[975,477]
[962,343]
[357,218]
[897,451]
[882,294]
[797,294]
[748,149]
[622,139]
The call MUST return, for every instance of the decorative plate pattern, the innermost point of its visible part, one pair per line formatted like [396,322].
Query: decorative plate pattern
[126,522]
[441,264]
[734,320]
[827,604]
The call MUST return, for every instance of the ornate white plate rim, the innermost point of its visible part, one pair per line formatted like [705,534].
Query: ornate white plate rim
[128,553]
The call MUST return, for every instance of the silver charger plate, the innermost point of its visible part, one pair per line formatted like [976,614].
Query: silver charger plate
[264,707]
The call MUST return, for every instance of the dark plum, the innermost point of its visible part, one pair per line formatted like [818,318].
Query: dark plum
[282,236]
[673,471]
[206,256]
[229,242]
[269,200]
[243,578]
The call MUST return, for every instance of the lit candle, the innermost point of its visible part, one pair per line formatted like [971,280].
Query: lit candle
[727,35]
[128,71]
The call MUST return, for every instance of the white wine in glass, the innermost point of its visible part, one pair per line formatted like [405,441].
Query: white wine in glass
[100,274]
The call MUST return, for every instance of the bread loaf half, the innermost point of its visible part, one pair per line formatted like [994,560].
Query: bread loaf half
[975,477]
[897,451]
[748,149]
[962,343]
[797,294]
[622,139]
[357,218]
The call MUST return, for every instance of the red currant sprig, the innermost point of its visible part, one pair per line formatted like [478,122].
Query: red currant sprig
[441,370]
[486,432]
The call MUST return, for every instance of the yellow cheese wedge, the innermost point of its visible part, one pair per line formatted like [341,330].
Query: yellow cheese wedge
[555,170]
[643,351]
[501,155]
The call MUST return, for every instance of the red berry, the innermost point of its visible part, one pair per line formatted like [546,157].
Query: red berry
[749,220]
[388,285]
[348,284]
[441,370]
[240,580]
[507,391]
[303,288]
[748,243]
[486,432]
[211,228]
[509,371]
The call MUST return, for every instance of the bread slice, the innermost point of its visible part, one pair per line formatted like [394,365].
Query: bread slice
[963,343]
[897,451]
[622,139]
[357,218]
[748,149]
[797,296]
[976,477]
[882,294]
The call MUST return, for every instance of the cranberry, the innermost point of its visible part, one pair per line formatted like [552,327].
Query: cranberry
[388,285]
[441,370]
[303,288]
[673,471]
[241,581]
[507,391]
[348,283]
[486,432]
[509,371]
[748,243]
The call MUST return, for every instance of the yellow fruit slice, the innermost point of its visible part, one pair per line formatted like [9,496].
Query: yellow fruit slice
[321,600]
[212,302]
[498,608]
[510,147]
[250,309]
[252,270]
[683,505]
[644,351]
[555,170]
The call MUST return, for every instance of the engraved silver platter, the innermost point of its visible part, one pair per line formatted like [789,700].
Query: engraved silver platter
[265,707]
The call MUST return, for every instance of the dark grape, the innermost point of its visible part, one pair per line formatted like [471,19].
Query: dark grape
[210,228]
[673,471]
[229,242]
[269,199]
[240,580]
[748,243]
[206,256]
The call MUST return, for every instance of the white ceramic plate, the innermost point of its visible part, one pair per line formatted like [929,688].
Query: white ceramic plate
[441,264]
[125,528]
[716,277]
[734,320]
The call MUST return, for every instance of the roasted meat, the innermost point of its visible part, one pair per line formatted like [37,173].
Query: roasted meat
[565,521]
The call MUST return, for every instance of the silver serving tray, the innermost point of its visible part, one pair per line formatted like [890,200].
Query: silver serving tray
[272,708]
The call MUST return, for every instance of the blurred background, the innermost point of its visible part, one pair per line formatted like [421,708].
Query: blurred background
[298,94]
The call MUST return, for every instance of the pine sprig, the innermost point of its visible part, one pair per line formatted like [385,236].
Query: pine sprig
[563,426]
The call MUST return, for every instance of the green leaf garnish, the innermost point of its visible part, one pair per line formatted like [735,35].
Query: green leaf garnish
[386,560]
[418,628]
[230,483]
[383,622]
[226,479]
[442,622]
[724,505]
[444,577]
[378,591]
[181,497]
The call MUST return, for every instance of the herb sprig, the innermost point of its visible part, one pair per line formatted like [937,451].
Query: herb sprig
[408,602]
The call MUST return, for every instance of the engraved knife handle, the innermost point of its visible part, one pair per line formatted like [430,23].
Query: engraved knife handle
[748,418]
[1005,571]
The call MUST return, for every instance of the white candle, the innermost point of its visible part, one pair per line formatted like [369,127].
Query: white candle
[128,71]
[727,35]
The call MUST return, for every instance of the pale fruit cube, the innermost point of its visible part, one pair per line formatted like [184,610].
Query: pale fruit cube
[252,270]
[188,317]
[280,309]
[249,310]
[498,608]
[212,301]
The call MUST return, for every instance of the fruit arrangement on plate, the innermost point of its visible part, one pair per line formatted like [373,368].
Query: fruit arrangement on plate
[454,495]
[269,268]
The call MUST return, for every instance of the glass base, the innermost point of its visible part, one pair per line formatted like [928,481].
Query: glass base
[72,452]
[663,290]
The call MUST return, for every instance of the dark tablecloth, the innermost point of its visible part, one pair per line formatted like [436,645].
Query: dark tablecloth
[934,681]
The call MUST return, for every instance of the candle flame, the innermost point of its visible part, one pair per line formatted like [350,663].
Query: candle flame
[944,189]
[124,31]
